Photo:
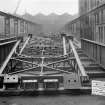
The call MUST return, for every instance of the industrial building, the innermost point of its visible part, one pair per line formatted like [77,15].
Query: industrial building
[54,62]
[90,27]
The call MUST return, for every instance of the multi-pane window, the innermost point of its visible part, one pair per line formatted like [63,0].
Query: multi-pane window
[104,15]
[104,34]
[97,18]
[101,34]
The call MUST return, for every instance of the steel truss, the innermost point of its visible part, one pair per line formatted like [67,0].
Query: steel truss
[41,64]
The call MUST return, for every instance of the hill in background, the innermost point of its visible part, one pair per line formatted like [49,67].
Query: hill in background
[51,22]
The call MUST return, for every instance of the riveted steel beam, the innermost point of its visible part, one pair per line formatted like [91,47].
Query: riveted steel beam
[9,57]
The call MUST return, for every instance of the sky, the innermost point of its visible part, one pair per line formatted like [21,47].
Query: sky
[40,6]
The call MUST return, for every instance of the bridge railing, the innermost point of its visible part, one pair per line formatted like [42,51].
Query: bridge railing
[76,63]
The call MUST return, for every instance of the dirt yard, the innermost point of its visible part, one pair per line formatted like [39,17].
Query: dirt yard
[53,100]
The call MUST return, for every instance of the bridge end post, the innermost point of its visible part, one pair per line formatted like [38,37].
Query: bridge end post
[63,35]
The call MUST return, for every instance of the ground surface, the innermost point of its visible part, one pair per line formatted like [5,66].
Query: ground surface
[53,100]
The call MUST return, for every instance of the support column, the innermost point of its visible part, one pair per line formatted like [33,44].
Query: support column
[64,43]
[7,26]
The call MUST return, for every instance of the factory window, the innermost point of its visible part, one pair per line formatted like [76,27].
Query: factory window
[98,3]
[74,80]
[104,15]
[101,34]
[100,17]
[68,80]
[97,34]
[104,34]
[97,18]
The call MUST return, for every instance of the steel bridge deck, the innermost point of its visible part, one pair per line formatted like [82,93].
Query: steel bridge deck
[43,66]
